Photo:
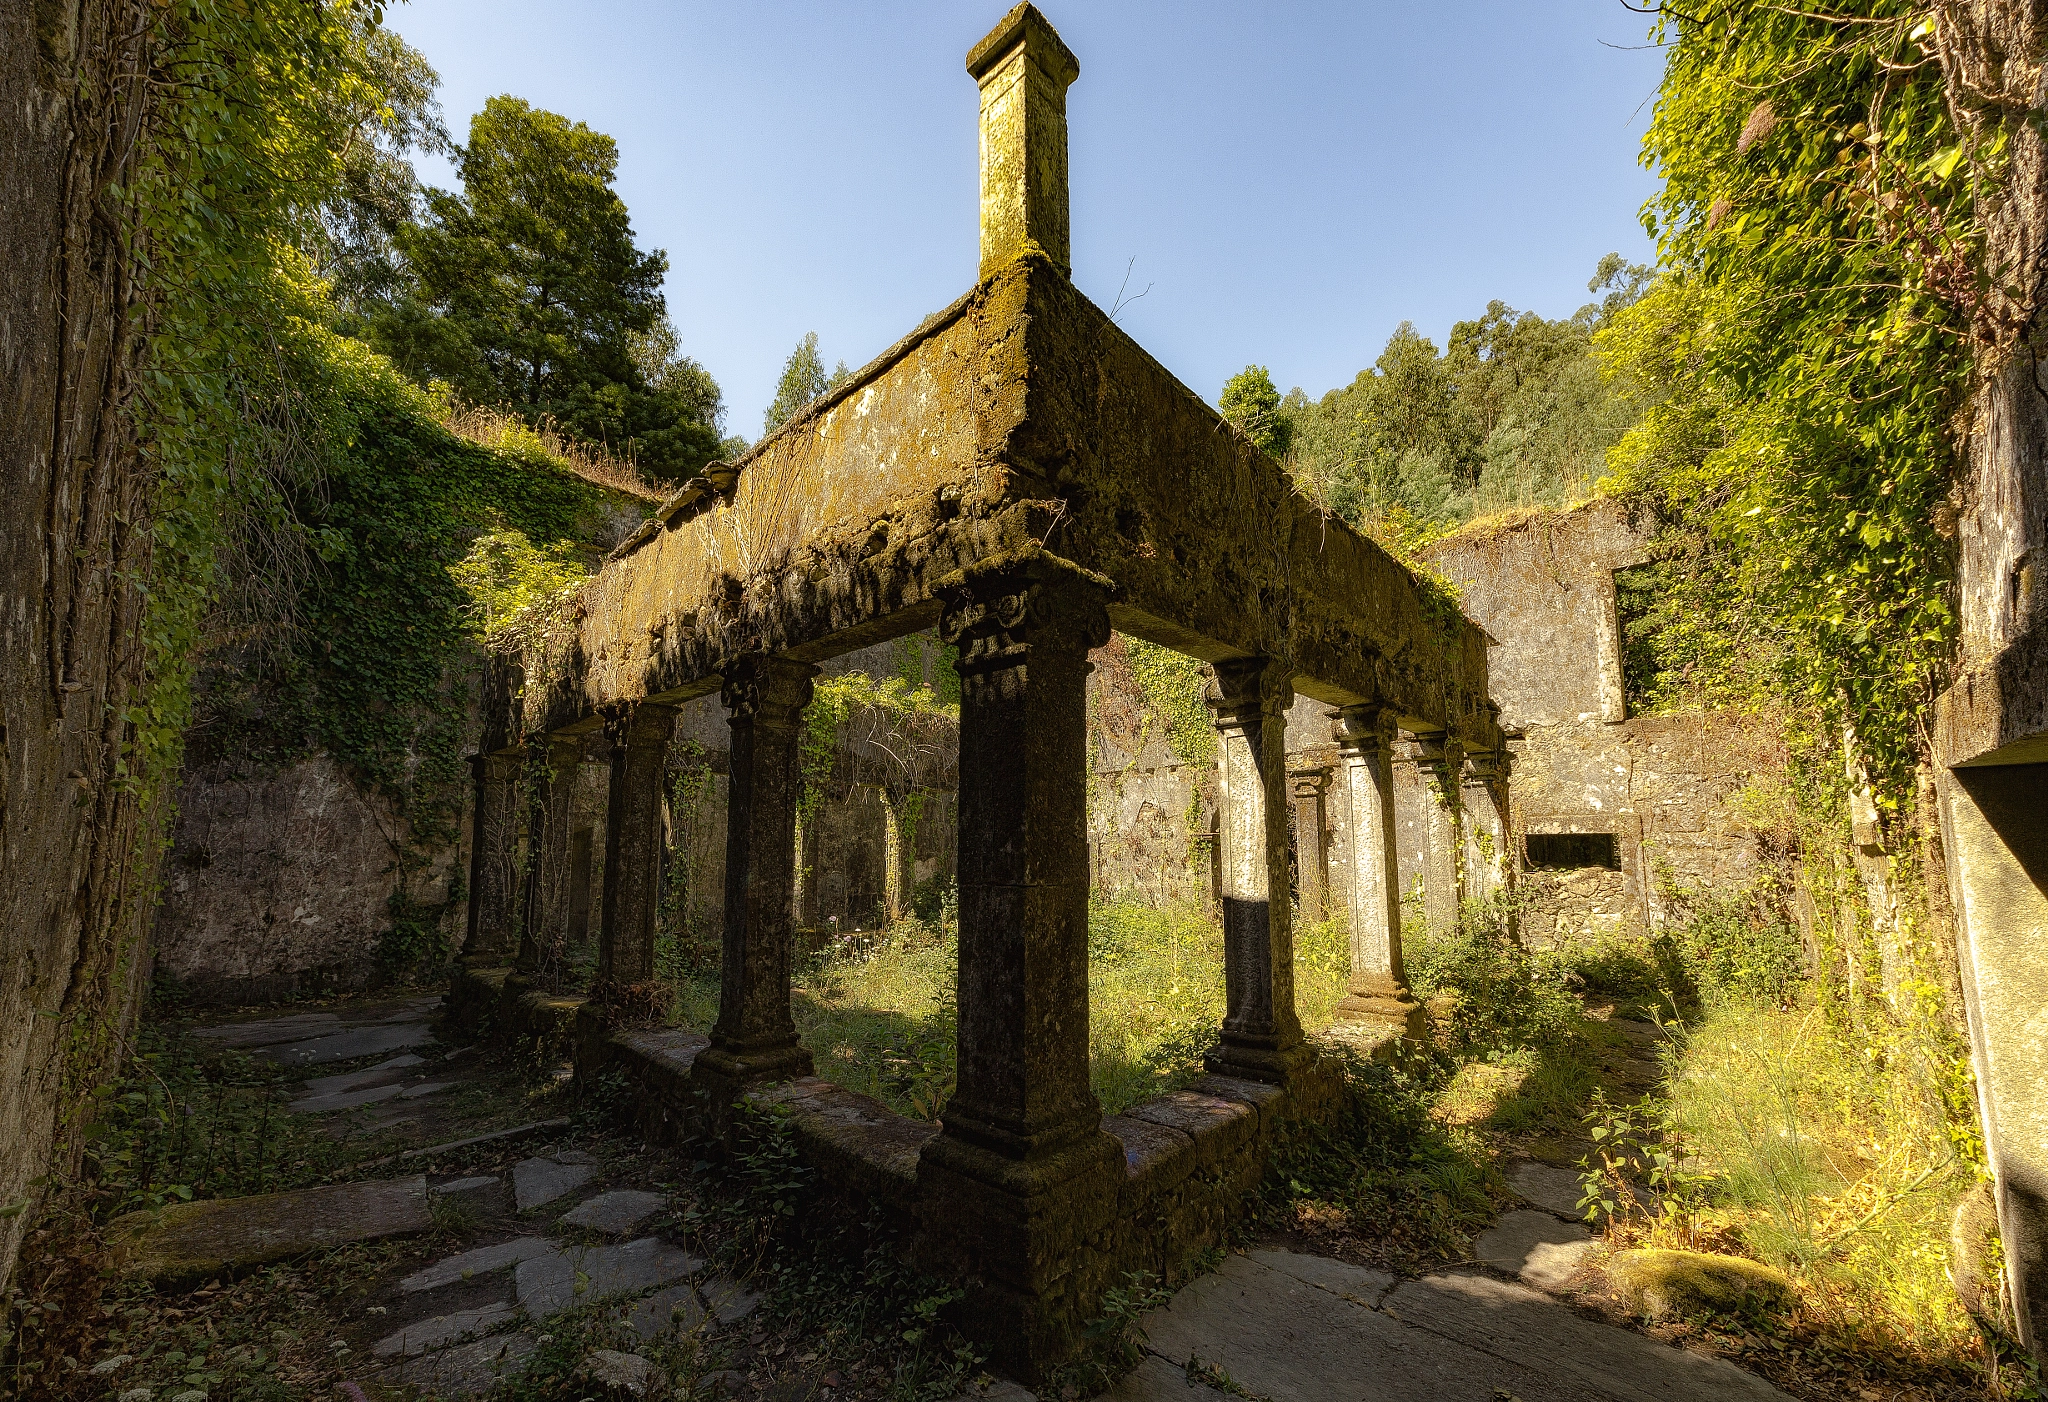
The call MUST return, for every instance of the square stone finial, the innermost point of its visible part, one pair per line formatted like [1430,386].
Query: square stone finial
[1024,70]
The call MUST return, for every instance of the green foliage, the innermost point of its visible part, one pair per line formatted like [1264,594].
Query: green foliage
[915,716]
[1250,401]
[1802,357]
[504,573]
[1506,998]
[527,291]
[803,380]
[1176,689]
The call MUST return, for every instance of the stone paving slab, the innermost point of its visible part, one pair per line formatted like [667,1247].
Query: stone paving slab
[615,1213]
[475,1183]
[1446,1338]
[675,1308]
[345,1100]
[356,1080]
[194,1240]
[349,1044]
[730,1301]
[552,1283]
[267,1032]
[1534,1246]
[1547,1186]
[443,1329]
[478,1262]
[538,1182]
[465,1368]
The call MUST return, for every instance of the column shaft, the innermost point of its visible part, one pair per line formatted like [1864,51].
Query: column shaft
[1262,1037]
[1311,843]
[1438,761]
[1487,869]
[552,765]
[755,1038]
[493,861]
[633,847]
[1379,982]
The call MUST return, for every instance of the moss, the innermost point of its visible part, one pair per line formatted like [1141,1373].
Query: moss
[1658,1282]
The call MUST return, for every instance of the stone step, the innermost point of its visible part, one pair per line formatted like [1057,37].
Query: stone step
[194,1241]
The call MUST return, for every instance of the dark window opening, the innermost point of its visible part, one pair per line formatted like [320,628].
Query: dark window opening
[1557,850]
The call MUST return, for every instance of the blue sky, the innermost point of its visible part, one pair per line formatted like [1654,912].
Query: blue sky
[1286,183]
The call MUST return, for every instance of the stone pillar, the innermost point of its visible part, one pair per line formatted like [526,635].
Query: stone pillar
[1994,829]
[633,848]
[1024,71]
[1439,760]
[899,851]
[1261,1038]
[1311,842]
[1022,1175]
[493,862]
[1607,626]
[551,765]
[1483,800]
[1379,982]
[755,1039]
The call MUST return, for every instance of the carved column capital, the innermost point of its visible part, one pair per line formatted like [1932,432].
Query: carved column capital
[1369,728]
[996,611]
[767,690]
[1251,689]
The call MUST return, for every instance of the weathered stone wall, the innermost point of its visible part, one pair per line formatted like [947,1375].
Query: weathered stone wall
[279,883]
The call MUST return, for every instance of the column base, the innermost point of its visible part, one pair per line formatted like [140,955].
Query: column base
[1381,998]
[726,1073]
[1020,1234]
[1276,1066]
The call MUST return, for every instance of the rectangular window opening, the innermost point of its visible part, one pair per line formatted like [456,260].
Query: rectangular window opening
[1558,851]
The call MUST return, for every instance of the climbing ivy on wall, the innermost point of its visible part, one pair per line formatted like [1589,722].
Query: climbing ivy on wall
[1175,687]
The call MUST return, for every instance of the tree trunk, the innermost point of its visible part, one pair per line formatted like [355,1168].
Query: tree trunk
[77,850]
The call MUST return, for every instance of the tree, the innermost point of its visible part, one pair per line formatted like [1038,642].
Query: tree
[530,292]
[1250,401]
[803,380]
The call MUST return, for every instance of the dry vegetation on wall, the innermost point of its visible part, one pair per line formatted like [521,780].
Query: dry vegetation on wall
[495,428]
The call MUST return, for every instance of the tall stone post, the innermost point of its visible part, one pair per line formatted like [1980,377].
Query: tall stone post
[1379,982]
[551,765]
[1439,760]
[899,851]
[1262,1038]
[1312,842]
[755,1039]
[1022,1174]
[633,848]
[493,862]
[1024,71]
[1483,801]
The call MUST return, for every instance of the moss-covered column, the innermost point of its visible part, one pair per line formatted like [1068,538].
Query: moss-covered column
[633,851]
[1483,802]
[1439,760]
[1024,71]
[1379,982]
[1022,1175]
[493,861]
[1261,1034]
[1312,842]
[551,766]
[755,1038]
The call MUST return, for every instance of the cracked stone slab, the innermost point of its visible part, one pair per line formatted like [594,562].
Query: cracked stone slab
[1547,1186]
[676,1308]
[356,1080]
[478,1262]
[268,1032]
[476,1183]
[193,1240]
[351,1043]
[468,1368]
[550,1284]
[616,1213]
[1442,1339]
[345,1100]
[537,1182]
[443,1329]
[1534,1246]
[1360,1284]
[730,1301]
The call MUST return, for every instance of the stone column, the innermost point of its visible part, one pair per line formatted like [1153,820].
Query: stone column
[899,852]
[633,848]
[1022,1174]
[1379,982]
[1312,842]
[1024,71]
[493,862]
[755,1039]
[1261,1038]
[1440,760]
[1483,799]
[551,765]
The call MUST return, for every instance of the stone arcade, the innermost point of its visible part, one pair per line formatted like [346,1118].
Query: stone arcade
[1019,473]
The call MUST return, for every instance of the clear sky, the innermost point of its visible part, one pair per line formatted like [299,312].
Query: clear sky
[1286,182]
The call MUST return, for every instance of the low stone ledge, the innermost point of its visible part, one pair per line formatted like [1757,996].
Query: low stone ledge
[1155,1156]
[538,1017]
[474,996]
[856,1143]
[1218,1125]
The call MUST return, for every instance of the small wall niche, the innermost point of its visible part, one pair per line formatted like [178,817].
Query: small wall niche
[1561,851]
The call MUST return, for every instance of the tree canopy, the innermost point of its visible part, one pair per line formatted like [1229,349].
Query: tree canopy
[803,379]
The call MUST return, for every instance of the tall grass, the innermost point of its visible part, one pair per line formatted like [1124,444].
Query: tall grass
[1830,1163]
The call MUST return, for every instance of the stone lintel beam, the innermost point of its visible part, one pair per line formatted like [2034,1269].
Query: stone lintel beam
[1024,71]
[755,1039]
[1261,1036]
